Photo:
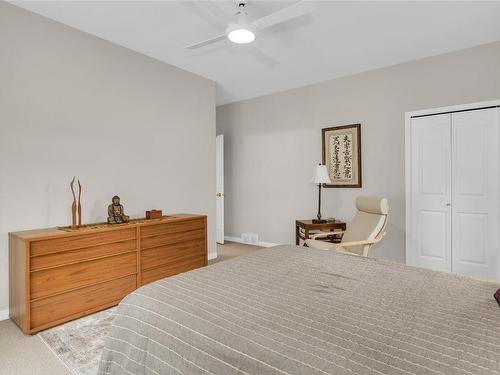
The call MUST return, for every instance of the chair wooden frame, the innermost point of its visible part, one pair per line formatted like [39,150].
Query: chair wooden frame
[368,243]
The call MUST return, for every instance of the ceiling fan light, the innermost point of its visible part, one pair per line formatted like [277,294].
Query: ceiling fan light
[241,35]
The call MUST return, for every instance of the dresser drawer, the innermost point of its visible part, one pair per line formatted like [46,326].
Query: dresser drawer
[78,255]
[181,265]
[172,238]
[79,302]
[56,280]
[170,254]
[173,227]
[73,242]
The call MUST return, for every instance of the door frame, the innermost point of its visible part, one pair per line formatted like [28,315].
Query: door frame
[219,170]
[428,112]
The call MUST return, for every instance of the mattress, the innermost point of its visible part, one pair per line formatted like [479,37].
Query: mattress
[295,310]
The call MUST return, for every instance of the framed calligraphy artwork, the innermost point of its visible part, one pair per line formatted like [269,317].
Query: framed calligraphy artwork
[342,155]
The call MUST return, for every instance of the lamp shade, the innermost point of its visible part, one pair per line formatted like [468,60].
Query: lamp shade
[321,175]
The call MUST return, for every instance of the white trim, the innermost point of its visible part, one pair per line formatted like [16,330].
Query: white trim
[219,177]
[267,244]
[408,116]
[212,256]
[453,108]
[407,184]
[260,243]
[4,314]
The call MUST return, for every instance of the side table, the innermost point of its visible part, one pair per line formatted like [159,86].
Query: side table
[307,226]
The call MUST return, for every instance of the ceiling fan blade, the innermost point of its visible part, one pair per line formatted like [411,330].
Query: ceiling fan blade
[206,42]
[206,15]
[215,10]
[293,11]
[263,57]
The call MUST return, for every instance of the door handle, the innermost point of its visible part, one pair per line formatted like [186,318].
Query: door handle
[448,204]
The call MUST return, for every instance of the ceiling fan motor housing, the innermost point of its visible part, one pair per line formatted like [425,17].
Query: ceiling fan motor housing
[240,31]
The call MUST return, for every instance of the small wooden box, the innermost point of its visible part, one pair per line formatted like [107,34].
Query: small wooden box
[154,214]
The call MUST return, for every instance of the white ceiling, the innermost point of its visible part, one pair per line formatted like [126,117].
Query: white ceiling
[338,39]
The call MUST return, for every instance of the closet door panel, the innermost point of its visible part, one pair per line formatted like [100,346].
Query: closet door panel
[475,192]
[430,227]
[470,239]
[433,226]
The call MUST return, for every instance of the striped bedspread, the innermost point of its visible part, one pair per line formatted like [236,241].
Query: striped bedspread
[291,310]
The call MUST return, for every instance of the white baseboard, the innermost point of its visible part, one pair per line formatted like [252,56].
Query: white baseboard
[4,314]
[260,243]
[212,256]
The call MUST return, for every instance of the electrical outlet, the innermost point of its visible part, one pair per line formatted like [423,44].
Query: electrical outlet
[250,238]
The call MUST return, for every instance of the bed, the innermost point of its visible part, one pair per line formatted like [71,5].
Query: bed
[293,310]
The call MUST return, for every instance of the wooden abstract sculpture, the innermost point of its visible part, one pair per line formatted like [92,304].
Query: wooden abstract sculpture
[79,203]
[74,208]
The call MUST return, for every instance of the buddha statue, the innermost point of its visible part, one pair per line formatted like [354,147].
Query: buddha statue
[116,214]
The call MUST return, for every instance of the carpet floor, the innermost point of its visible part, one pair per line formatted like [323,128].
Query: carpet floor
[26,355]
[74,347]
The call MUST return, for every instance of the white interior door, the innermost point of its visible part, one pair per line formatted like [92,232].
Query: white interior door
[429,236]
[475,199]
[219,171]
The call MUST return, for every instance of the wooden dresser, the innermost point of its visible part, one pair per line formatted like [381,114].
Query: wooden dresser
[58,275]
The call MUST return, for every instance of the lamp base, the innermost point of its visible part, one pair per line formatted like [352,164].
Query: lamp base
[318,221]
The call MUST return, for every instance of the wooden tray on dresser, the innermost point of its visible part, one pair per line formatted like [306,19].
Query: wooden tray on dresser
[57,275]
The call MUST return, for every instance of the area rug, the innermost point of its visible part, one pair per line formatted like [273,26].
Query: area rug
[79,343]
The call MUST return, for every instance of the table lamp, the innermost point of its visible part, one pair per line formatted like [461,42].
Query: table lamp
[320,177]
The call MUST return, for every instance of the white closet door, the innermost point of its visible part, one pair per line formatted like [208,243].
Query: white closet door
[475,208]
[430,228]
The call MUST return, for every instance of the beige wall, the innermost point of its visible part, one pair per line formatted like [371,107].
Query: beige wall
[73,104]
[274,142]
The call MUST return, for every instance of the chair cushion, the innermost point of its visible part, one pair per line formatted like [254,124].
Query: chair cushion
[364,226]
[378,206]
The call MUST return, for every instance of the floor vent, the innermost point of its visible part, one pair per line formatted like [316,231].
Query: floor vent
[250,238]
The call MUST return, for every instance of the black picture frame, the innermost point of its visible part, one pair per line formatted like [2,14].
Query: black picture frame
[357,173]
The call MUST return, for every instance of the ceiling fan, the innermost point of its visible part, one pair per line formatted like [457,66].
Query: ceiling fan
[242,31]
